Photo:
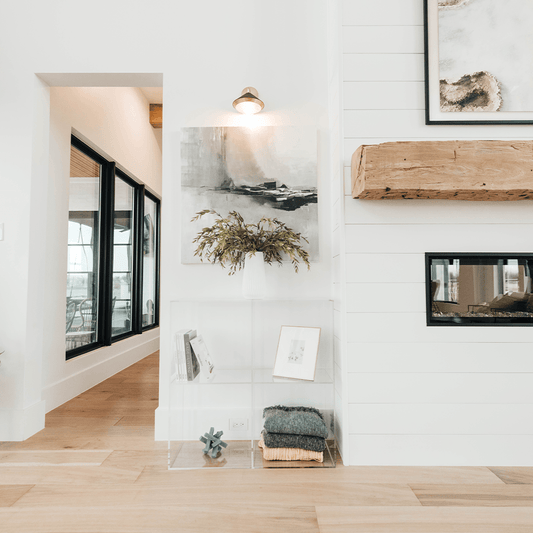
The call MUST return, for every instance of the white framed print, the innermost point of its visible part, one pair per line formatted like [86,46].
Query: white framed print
[297,353]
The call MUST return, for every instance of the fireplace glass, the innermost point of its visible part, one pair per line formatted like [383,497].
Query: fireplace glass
[479,289]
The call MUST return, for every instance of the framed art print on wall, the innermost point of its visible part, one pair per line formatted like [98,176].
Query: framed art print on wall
[478,61]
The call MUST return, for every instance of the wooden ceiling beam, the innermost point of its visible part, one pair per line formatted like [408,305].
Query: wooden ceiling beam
[444,170]
[156,115]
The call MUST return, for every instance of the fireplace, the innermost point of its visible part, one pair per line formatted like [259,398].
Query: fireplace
[479,289]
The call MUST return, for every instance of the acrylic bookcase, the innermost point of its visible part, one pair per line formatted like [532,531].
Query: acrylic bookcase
[242,338]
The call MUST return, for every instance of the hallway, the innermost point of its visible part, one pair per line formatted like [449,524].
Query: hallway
[96,469]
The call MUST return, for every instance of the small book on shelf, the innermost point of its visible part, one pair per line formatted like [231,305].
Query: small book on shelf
[204,359]
[187,367]
[191,362]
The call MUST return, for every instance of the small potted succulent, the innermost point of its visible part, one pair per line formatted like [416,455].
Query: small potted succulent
[231,242]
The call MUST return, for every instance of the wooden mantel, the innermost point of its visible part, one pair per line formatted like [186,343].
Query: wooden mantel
[445,170]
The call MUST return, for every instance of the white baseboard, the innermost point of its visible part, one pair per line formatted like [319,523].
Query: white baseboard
[71,386]
[20,424]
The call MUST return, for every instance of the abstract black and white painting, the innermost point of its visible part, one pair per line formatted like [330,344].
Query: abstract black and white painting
[259,172]
[479,61]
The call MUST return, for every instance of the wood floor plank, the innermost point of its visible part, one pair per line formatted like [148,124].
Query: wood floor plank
[137,458]
[140,420]
[62,421]
[421,474]
[192,492]
[514,475]
[9,494]
[475,495]
[201,518]
[424,519]
[35,458]
[70,475]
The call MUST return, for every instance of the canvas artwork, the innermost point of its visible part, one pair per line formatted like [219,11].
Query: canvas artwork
[479,61]
[259,172]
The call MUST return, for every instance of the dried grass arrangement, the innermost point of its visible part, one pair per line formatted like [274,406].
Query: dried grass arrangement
[229,240]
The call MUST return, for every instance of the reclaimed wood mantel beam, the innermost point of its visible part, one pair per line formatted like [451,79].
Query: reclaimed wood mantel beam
[444,170]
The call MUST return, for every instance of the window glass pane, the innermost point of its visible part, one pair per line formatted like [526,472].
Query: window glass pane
[83,243]
[149,262]
[122,257]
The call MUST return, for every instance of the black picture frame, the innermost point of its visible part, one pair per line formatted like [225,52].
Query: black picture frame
[427,82]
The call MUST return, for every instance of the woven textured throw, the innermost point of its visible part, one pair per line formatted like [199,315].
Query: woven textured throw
[295,421]
[289,454]
[305,442]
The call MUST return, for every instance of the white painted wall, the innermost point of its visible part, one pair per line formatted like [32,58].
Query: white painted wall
[115,122]
[419,395]
[280,49]
[207,51]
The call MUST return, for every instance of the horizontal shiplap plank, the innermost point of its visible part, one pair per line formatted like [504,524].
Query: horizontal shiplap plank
[439,357]
[411,327]
[411,238]
[385,268]
[441,419]
[383,95]
[383,40]
[386,12]
[440,388]
[436,212]
[442,450]
[383,67]
[404,124]
[391,297]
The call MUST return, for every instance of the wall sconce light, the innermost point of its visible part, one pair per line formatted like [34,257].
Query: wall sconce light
[248,103]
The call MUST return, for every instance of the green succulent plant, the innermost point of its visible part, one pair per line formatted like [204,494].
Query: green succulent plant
[229,240]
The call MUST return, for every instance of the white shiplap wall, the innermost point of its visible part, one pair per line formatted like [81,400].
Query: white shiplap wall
[419,395]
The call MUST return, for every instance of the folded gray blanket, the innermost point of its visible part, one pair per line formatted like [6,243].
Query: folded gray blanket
[295,421]
[305,442]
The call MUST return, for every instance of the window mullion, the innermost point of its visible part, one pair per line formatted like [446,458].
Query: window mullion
[137,296]
[106,253]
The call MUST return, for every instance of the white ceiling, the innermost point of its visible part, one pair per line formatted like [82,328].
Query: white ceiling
[154,95]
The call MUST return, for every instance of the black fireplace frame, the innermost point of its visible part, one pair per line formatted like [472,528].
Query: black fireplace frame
[471,321]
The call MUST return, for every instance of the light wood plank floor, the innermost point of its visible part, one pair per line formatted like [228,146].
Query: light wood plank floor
[97,469]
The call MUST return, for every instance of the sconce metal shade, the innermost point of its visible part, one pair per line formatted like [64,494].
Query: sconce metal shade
[249,102]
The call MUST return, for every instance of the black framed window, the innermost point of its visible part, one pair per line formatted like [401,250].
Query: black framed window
[113,254]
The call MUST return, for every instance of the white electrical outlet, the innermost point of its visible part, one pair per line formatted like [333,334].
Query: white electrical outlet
[238,424]
[2,231]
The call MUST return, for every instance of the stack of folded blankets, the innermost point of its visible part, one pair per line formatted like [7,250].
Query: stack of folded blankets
[293,434]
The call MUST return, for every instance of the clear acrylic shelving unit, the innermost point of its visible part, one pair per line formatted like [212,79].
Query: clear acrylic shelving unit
[242,338]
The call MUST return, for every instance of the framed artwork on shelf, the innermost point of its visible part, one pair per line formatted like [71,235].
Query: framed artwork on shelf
[478,61]
[297,353]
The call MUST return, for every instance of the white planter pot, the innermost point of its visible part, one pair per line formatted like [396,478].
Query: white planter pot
[253,281]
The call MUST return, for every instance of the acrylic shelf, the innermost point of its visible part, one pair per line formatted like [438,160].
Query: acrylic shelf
[242,338]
